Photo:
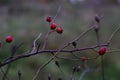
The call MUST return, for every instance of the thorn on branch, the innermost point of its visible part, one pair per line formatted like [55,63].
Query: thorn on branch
[74,44]
[57,63]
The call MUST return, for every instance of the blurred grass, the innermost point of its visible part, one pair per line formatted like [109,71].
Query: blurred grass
[74,20]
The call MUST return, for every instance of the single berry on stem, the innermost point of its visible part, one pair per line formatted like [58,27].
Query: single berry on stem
[9,39]
[48,19]
[59,30]
[102,51]
[53,26]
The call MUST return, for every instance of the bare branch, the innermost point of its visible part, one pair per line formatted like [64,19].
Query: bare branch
[58,11]
[46,38]
[4,74]
[25,55]
[84,73]
[112,35]
[78,37]
[34,43]
[64,46]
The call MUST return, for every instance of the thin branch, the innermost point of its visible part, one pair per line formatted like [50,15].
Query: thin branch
[4,74]
[46,39]
[58,11]
[13,51]
[66,58]
[19,74]
[38,47]
[25,55]
[113,51]
[79,58]
[64,46]
[34,43]
[98,37]
[96,29]
[111,37]
[84,73]
[78,37]
[52,58]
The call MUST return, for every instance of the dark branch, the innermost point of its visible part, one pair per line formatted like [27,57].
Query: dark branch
[14,58]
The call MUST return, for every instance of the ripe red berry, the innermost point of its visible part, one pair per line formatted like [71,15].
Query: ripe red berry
[59,30]
[9,39]
[48,19]
[53,25]
[102,51]
[83,58]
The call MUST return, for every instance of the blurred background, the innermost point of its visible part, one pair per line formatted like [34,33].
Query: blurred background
[25,19]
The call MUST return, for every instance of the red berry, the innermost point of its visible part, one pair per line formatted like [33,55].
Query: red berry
[9,39]
[48,19]
[83,58]
[102,51]
[59,30]
[53,25]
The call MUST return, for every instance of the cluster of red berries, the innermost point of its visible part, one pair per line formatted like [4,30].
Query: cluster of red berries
[53,26]
[9,39]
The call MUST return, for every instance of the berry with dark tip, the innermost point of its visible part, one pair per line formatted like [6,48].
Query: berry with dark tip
[9,39]
[53,26]
[59,30]
[48,19]
[102,51]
